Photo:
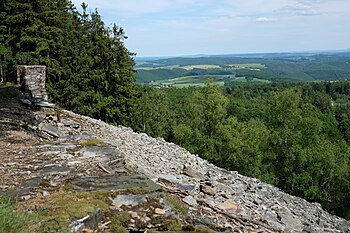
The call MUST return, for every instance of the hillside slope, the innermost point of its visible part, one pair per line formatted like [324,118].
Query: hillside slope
[78,174]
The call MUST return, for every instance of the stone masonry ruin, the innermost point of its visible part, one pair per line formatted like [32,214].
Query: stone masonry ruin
[32,81]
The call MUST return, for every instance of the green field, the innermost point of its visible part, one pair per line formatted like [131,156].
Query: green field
[180,75]
[248,66]
[198,81]
[204,67]
[275,68]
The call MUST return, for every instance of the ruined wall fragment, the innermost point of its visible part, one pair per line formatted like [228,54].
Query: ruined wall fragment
[32,81]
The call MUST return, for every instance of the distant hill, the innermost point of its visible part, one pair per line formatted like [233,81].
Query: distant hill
[298,66]
[252,55]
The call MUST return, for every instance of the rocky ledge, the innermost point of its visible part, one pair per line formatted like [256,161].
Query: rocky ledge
[89,176]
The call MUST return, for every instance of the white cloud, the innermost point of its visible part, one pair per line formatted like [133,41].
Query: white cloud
[168,27]
[314,7]
[265,19]
[302,8]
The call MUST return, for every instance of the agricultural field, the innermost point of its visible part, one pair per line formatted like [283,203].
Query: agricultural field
[180,72]
[187,81]
[254,66]
[191,75]
[191,67]
[198,81]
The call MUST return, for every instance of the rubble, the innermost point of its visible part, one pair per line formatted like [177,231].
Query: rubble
[147,178]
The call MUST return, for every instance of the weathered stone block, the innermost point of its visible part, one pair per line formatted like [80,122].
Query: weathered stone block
[32,81]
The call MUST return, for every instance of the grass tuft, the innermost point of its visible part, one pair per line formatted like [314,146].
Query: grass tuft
[57,210]
[91,142]
[119,222]
[13,221]
[177,204]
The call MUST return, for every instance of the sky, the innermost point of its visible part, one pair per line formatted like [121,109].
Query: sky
[190,27]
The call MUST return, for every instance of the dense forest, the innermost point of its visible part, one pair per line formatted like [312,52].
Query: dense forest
[89,70]
[293,135]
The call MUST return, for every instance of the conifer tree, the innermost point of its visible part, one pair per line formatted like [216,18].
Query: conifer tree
[89,70]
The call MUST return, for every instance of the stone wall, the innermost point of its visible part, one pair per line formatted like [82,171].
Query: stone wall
[32,81]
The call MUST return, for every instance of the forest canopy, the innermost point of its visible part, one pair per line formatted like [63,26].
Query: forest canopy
[293,135]
[89,70]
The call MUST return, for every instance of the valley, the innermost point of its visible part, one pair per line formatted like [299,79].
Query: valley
[230,71]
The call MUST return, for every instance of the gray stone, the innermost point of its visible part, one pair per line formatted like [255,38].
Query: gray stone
[98,151]
[89,221]
[271,219]
[209,202]
[71,123]
[46,193]
[128,200]
[167,178]
[229,206]
[28,187]
[291,223]
[228,190]
[190,201]
[344,226]
[32,81]
[44,104]
[78,137]
[207,190]
[26,197]
[186,187]
[26,101]
[54,170]
[114,182]
[133,214]
[189,171]
[50,129]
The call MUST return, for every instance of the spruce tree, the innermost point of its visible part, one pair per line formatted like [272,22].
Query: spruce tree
[89,70]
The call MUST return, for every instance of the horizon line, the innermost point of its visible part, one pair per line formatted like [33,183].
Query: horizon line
[246,53]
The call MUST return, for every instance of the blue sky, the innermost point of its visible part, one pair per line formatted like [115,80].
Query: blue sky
[189,27]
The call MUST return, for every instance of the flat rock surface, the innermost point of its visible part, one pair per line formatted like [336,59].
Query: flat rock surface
[114,183]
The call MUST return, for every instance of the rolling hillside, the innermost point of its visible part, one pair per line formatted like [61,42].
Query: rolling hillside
[232,70]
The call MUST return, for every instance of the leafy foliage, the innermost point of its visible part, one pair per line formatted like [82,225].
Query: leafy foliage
[292,135]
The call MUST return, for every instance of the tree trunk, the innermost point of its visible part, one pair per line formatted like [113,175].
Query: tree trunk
[1,75]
